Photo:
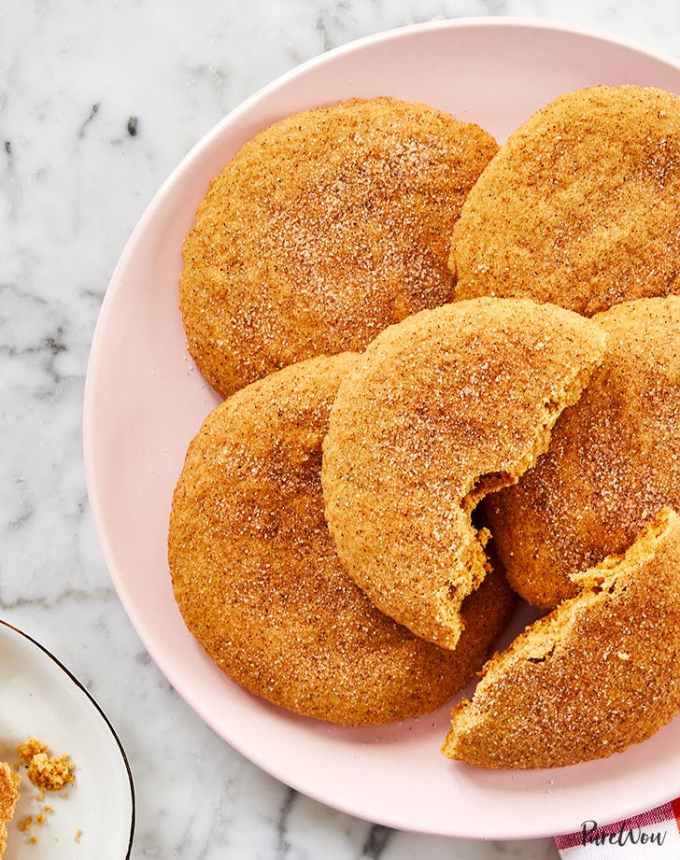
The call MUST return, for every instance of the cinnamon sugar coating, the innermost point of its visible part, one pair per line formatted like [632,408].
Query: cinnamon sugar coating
[321,231]
[599,673]
[613,460]
[259,583]
[580,207]
[439,411]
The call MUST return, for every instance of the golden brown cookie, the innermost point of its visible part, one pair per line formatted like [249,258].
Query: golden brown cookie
[599,673]
[580,207]
[321,231]
[440,410]
[258,581]
[9,794]
[613,460]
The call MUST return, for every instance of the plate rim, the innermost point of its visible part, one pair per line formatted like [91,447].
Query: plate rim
[98,708]
[394,34]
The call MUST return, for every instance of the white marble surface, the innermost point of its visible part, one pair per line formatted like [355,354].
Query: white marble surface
[73,181]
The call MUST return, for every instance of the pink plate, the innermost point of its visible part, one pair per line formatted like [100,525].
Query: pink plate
[145,400]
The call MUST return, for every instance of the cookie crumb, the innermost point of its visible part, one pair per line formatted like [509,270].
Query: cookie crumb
[45,771]
[25,823]
[78,836]
[29,748]
[41,817]
[51,773]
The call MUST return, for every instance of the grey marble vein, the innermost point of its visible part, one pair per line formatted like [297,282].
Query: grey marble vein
[377,840]
[94,110]
[283,845]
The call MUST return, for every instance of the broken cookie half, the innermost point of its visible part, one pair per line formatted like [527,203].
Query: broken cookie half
[600,672]
[9,794]
[440,410]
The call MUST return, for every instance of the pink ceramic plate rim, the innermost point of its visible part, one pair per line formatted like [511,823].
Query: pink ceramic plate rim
[162,656]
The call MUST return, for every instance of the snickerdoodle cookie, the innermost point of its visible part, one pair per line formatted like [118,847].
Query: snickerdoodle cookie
[613,459]
[580,207]
[440,410]
[258,581]
[9,794]
[599,673]
[321,231]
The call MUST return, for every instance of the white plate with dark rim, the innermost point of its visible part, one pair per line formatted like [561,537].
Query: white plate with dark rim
[40,697]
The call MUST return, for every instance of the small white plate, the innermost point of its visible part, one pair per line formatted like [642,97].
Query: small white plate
[39,697]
